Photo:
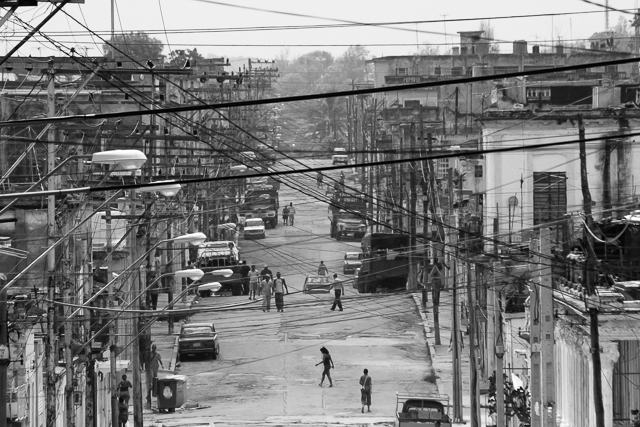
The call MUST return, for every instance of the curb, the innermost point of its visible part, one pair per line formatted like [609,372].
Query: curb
[431,345]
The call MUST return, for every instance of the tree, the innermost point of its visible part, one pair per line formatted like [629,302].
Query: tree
[488,36]
[179,57]
[140,46]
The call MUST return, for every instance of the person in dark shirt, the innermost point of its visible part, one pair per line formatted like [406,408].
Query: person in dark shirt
[244,271]
[265,272]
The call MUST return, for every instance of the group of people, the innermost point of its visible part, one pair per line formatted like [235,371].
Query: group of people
[288,214]
[366,383]
[263,283]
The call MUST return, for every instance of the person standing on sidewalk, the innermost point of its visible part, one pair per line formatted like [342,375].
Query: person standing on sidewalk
[244,271]
[338,288]
[292,213]
[155,362]
[365,390]
[285,215]
[327,362]
[322,269]
[254,282]
[123,389]
[265,289]
[279,286]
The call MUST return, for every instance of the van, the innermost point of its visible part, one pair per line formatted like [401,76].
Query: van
[340,156]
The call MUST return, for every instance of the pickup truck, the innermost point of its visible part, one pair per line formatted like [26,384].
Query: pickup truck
[422,410]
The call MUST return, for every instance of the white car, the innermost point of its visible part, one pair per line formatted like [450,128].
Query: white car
[249,155]
[219,249]
[254,229]
[340,156]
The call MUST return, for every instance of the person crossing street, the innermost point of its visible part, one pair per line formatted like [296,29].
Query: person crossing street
[338,288]
[265,289]
[279,286]
[292,213]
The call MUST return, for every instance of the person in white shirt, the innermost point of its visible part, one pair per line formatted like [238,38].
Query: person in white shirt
[338,287]
[254,280]
[279,286]
[265,289]
[292,213]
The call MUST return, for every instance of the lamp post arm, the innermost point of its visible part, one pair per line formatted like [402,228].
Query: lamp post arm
[44,178]
[58,242]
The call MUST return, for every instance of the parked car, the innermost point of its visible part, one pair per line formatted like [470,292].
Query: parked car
[340,156]
[254,229]
[198,338]
[422,410]
[316,285]
[352,260]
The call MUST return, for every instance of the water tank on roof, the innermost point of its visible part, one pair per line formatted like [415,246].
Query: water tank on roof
[520,47]
[536,49]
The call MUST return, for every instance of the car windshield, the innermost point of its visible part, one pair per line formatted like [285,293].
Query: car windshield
[353,257]
[197,331]
[218,245]
[254,223]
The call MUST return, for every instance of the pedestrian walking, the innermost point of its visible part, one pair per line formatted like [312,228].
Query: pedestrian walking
[155,361]
[285,215]
[123,389]
[279,286]
[265,272]
[366,386]
[338,288]
[244,271]
[254,282]
[327,363]
[322,269]
[292,213]
[123,412]
[319,179]
[266,287]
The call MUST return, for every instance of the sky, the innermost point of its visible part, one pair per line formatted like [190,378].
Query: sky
[248,28]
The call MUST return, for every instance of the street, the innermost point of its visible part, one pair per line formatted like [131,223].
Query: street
[266,373]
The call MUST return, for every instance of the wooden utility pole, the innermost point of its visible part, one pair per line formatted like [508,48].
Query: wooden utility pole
[473,360]
[372,159]
[498,347]
[547,365]
[535,332]
[413,202]
[362,125]
[588,278]
[455,330]
[455,125]
[4,343]
[51,353]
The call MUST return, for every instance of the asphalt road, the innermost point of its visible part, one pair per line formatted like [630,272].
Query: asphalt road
[266,373]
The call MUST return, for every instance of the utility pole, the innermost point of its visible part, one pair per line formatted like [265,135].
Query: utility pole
[589,279]
[535,332]
[499,348]
[457,362]
[137,380]
[412,212]
[362,125]
[473,360]
[4,343]
[51,353]
[455,123]
[372,159]
[547,366]
[169,269]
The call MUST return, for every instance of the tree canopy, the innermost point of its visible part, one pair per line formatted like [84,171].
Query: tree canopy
[178,57]
[139,46]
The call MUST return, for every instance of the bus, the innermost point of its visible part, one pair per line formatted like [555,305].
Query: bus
[385,262]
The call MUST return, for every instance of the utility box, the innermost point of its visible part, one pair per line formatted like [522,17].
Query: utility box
[171,392]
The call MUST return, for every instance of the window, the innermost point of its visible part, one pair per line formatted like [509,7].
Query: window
[402,71]
[477,171]
[442,167]
[549,197]
[438,71]
[456,71]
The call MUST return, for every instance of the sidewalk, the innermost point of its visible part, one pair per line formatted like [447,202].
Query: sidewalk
[441,357]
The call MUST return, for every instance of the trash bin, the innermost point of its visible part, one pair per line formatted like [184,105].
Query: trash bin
[171,392]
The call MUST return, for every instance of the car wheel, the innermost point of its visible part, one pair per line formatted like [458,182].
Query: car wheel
[214,355]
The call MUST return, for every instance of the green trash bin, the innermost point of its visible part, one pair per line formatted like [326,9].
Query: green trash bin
[171,392]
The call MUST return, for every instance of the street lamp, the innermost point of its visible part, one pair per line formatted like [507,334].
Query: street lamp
[166,188]
[123,159]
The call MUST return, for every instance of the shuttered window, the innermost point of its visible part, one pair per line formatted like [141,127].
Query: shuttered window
[549,196]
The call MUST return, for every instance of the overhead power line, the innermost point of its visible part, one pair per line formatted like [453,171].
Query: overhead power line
[297,98]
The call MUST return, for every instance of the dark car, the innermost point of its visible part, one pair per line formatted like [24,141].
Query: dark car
[352,260]
[198,338]
[316,285]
